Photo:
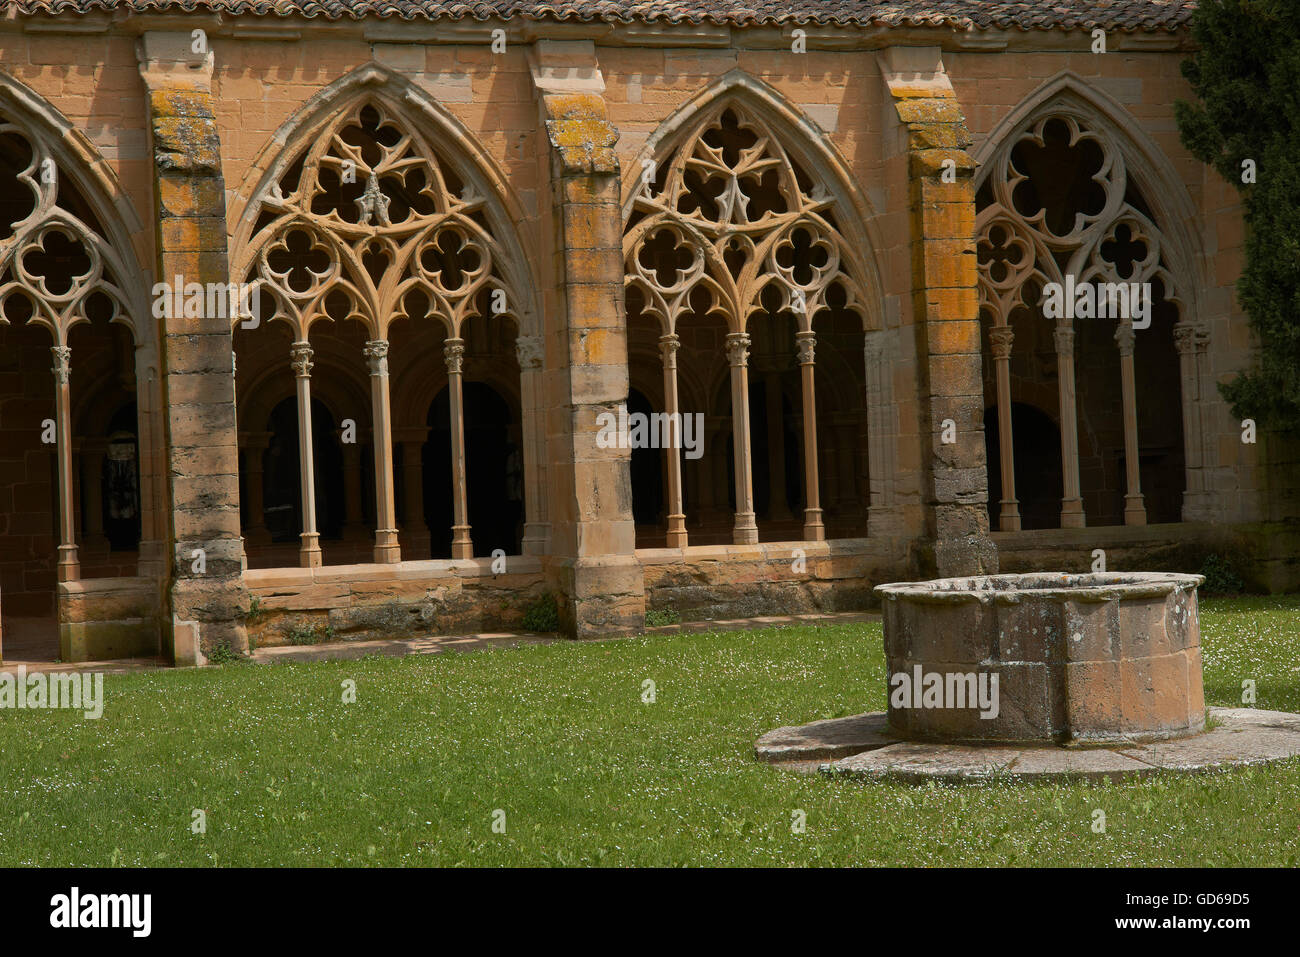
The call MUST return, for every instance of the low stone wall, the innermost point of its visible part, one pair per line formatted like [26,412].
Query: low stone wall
[1265,555]
[101,618]
[782,578]
[365,602]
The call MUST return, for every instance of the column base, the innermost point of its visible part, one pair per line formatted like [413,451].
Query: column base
[1009,515]
[537,538]
[745,531]
[676,531]
[1135,512]
[461,545]
[1072,514]
[813,529]
[69,564]
[309,555]
[387,550]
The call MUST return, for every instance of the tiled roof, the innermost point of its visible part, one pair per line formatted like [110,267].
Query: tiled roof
[959,14]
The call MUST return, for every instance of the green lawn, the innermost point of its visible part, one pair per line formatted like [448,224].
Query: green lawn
[558,737]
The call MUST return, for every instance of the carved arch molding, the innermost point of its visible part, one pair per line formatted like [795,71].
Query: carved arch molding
[729,224]
[368,221]
[1059,204]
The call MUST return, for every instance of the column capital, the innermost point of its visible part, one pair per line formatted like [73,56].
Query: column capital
[1001,339]
[1064,337]
[300,355]
[1190,337]
[530,350]
[1125,337]
[376,353]
[738,348]
[62,363]
[806,344]
[668,346]
[453,353]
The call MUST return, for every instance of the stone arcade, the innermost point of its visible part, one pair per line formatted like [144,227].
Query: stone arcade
[471,239]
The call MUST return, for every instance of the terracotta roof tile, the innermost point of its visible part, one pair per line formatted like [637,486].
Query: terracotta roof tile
[959,14]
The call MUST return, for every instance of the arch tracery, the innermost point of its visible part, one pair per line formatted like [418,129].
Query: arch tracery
[1061,212]
[729,225]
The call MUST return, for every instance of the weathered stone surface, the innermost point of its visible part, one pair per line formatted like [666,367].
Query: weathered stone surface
[1242,736]
[1066,665]
[831,738]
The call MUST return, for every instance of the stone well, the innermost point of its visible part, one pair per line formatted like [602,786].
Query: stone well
[1108,657]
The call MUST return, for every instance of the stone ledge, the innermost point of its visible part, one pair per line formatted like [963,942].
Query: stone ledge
[1241,737]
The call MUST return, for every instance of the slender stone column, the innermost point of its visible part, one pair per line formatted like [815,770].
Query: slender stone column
[746,530]
[69,565]
[387,549]
[1071,501]
[461,546]
[309,555]
[1189,340]
[813,529]
[1001,339]
[1135,512]
[531,351]
[676,515]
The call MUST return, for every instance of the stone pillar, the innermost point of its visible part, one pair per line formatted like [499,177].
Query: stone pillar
[387,549]
[254,445]
[813,529]
[668,346]
[69,565]
[531,350]
[207,600]
[1190,340]
[593,547]
[884,517]
[1000,341]
[945,315]
[309,555]
[453,351]
[1135,512]
[1071,500]
[152,559]
[745,531]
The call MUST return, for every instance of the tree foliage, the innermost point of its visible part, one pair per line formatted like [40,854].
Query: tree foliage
[1246,76]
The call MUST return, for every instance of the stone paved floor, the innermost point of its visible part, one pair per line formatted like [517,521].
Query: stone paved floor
[862,746]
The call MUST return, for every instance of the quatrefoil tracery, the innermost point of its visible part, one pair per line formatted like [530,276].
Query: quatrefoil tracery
[392,223]
[731,214]
[1060,205]
[53,266]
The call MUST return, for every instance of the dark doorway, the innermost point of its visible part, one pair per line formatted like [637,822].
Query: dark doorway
[493,473]
[647,468]
[1037,455]
[281,475]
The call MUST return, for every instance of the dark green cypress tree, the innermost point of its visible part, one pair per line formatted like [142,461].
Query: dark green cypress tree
[1246,75]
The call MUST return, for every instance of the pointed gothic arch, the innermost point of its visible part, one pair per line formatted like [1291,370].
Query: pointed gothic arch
[373,204]
[71,270]
[739,208]
[1071,195]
